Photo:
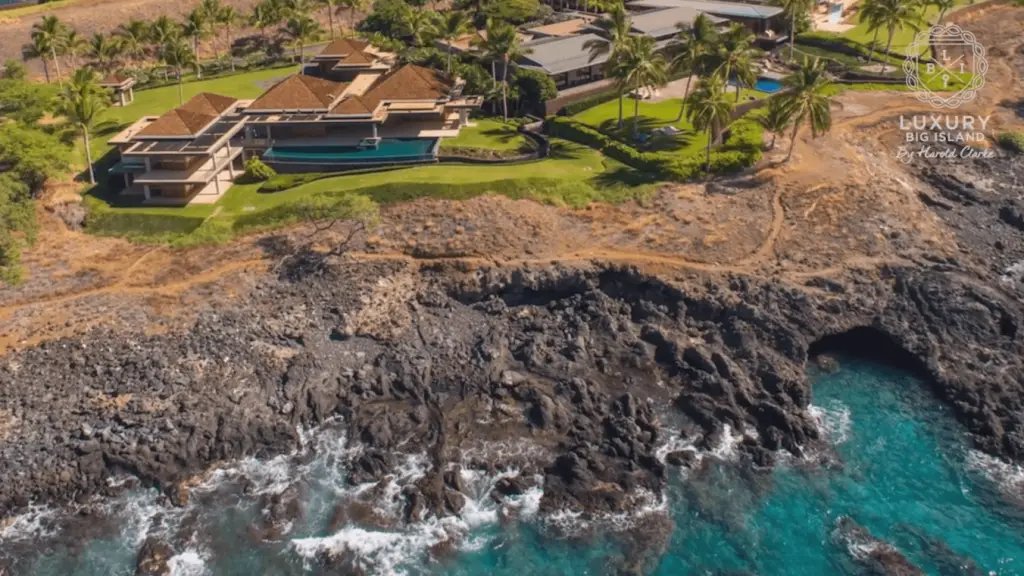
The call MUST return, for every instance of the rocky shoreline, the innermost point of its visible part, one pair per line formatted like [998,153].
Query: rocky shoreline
[575,361]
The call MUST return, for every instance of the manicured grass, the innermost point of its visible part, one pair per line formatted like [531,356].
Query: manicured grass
[902,38]
[605,117]
[573,175]
[488,134]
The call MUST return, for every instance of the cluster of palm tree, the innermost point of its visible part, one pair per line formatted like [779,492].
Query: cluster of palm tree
[716,59]
[137,41]
[501,45]
[82,102]
[892,16]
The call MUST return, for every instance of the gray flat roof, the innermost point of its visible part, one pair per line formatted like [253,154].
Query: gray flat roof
[726,9]
[558,55]
[661,23]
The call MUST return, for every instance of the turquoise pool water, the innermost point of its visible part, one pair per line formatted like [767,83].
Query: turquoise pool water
[897,464]
[389,150]
[763,84]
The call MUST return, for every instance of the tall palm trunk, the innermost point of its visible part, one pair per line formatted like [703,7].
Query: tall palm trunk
[888,45]
[330,19]
[195,50]
[231,56]
[56,66]
[88,156]
[504,88]
[792,35]
[448,67]
[636,110]
[871,49]
[621,96]
[181,90]
[46,70]
[792,145]
[302,57]
[707,152]
[682,105]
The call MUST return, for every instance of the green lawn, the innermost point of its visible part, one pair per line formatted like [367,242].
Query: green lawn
[572,175]
[604,117]
[902,38]
[488,134]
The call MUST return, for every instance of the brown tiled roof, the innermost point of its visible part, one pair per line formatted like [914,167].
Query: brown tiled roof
[299,92]
[209,104]
[115,80]
[353,105]
[177,122]
[343,47]
[410,82]
[356,58]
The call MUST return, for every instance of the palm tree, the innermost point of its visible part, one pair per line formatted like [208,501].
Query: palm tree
[615,27]
[264,15]
[178,54]
[298,8]
[776,118]
[302,30]
[329,6]
[693,47]
[644,68]
[82,102]
[105,51]
[453,25]
[894,16]
[133,37]
[353,6]
[196,28]
[228,16]
[709,110]
[736,56]
[502,44]
[48,38]
[869,14]
[943,6]
[807,99]
[420,25]
[211,10]
[793,9]
[162,32]
[74,46]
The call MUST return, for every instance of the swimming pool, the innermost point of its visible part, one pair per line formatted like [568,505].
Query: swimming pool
[764,84]
[387,151]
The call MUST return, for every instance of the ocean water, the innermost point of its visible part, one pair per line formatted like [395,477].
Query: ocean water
[896,463]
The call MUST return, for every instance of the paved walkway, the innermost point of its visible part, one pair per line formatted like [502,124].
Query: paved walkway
[674,89]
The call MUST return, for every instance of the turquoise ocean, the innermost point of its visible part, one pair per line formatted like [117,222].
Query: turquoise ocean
[897,476]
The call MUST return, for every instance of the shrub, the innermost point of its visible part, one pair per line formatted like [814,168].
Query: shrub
[588,102]
[257,171]
[1012,141]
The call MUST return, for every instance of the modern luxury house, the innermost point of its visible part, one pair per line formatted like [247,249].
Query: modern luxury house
[190,154]
[763,21]
[377,116]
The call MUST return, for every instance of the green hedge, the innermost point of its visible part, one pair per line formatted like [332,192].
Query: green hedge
[1012,141]
[588,102]
[741,148]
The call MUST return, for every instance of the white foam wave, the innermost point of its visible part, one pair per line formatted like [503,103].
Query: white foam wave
[1009,477]
[188,563]
[833,423]
[574,522]
[36,523]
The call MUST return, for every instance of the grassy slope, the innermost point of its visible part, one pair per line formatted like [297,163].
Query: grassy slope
[487,133]
[652,115]
[34,9]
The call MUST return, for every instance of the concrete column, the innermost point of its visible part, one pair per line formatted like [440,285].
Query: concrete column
[120,95]
[145,190]
[463,117]
[216,184]
[374,124]
[148,165]
[127,184]
[131,94]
